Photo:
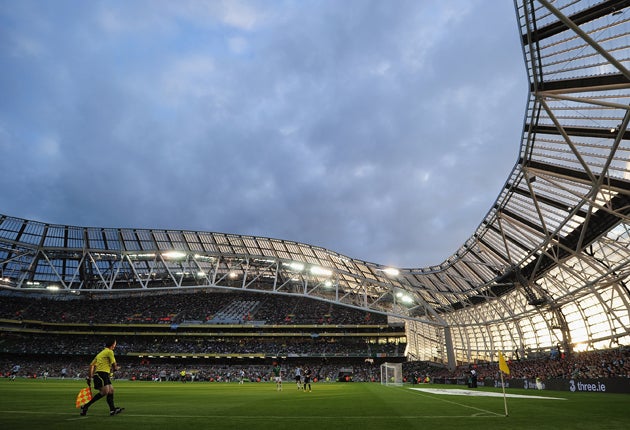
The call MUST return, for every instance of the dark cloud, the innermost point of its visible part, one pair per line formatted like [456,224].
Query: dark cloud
[383,133]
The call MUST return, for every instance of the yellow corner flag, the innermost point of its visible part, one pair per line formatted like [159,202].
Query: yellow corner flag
[503,365]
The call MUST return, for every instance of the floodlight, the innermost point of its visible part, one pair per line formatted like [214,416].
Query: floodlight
[174,254]
[320,271]
[391,271]
[294,265]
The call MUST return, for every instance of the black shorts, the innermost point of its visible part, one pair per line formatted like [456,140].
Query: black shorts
[101,379]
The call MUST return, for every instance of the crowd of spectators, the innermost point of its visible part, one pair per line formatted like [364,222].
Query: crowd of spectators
[41,344]
[177,308]
[584,365]
[41,354]
[595,364]
[611,363]
[200,370]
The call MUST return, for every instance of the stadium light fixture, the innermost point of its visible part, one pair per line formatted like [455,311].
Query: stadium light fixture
[403,297]
[294,265]
[320,271]
[203,257]
[146,255]
[174,255]
[391,271]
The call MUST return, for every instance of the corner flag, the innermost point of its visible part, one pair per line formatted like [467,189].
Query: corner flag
[503,367]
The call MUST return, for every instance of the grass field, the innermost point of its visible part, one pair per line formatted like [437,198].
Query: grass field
[38,404]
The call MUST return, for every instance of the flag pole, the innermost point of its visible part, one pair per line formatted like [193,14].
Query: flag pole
[504,397]
[503,368]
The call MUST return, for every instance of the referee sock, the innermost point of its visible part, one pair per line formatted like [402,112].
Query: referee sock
[95,398]
[110,402]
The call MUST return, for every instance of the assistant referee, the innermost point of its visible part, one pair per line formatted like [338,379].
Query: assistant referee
[100,368]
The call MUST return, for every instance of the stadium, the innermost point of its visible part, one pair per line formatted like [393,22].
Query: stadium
[543,279]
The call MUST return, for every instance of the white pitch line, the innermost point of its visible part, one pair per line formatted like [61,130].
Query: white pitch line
[492,414]
[259,417]
[471,393]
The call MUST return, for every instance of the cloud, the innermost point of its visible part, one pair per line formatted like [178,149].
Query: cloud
[240,14]
[381,133]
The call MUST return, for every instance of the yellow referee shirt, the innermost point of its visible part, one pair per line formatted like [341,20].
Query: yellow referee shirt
[103,361]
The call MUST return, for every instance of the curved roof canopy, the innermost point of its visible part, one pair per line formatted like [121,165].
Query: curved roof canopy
[549,264]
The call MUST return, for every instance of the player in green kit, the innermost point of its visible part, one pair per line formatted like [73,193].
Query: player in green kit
[277,375]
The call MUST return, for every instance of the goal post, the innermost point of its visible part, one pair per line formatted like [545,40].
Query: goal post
[391,374]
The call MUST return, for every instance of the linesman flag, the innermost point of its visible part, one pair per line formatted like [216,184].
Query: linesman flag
[503,367]
[84,396]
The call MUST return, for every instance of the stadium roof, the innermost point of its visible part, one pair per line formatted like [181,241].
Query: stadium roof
[548,265]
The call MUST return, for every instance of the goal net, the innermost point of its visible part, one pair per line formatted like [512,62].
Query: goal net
[391,374]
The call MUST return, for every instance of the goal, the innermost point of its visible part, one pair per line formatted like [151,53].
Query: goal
[391,374]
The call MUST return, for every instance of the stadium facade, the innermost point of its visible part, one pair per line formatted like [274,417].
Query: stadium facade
[547,267]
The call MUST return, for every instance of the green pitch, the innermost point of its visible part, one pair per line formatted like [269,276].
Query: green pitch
[38,404]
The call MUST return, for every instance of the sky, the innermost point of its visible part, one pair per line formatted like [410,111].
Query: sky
[383,130]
